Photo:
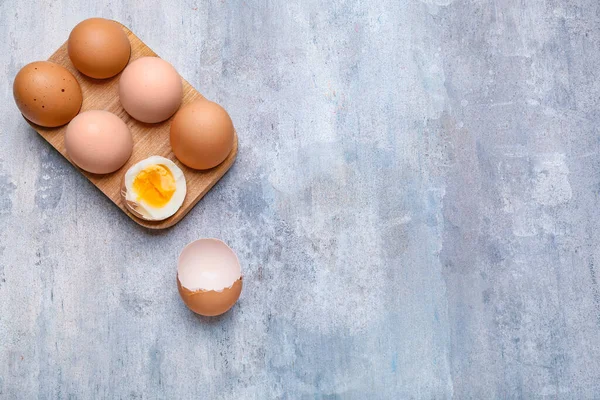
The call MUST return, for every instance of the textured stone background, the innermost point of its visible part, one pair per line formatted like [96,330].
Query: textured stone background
[415,205]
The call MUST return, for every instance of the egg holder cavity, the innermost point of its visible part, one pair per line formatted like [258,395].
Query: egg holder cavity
[148,139]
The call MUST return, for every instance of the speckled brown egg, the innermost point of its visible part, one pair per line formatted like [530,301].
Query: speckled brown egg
[47,94]
[99,48]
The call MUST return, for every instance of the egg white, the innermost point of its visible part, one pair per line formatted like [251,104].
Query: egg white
[147,211]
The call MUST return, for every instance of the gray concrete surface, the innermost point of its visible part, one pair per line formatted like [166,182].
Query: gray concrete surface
[415,205]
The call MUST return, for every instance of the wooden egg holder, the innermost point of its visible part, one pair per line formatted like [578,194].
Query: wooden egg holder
[148,139]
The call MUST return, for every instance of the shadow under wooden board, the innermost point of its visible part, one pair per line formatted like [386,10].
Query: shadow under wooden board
[148,139]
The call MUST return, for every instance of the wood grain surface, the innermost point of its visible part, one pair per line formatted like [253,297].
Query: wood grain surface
[149,139]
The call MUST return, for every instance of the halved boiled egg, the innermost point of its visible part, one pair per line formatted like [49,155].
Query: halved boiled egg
[154,188]
[209,277]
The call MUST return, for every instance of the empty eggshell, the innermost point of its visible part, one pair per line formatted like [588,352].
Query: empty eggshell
[209,277]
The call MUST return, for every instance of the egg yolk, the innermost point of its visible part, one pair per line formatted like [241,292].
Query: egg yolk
[154,185]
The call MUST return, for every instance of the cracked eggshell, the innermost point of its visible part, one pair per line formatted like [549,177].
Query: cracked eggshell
[209,277]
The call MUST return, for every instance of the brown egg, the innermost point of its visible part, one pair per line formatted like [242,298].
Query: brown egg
[202,134]
[99,48]
[209,277]
[47,94]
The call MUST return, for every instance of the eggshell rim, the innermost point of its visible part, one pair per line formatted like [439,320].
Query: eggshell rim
[196,291]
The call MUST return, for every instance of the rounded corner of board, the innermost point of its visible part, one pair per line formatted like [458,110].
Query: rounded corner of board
[159,225]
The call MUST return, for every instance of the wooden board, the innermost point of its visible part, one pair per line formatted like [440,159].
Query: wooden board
[149,139]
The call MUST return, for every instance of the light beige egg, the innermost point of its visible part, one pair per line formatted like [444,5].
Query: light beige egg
[150,89]
[98,141]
